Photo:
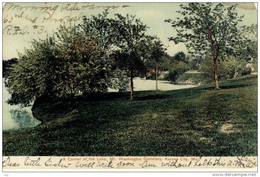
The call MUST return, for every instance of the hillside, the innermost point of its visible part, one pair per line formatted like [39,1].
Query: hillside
[197,121]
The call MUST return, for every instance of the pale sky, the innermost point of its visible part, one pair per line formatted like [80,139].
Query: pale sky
[34,20]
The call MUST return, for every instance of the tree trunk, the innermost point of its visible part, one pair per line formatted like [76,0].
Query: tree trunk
[156,76]
[216,73]
[131,85]
[214,56]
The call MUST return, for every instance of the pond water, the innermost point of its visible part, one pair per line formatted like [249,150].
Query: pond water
[17,117]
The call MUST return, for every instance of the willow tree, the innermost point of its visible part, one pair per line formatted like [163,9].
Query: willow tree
[207,27]
[29,79]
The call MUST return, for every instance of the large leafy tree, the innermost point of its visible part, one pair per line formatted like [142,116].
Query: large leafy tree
[102,29]
[207,27]
[66,64]
[131,39]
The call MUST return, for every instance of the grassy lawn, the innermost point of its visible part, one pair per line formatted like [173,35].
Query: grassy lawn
[199,121]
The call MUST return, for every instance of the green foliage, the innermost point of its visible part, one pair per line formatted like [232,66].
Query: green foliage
[64,65]
[84,59]
[195,64]
[180,56]
[208,27]
[177,69]
[28,78]
[229,68]
[166,62]
[155,51]
[101,29]
[178,65]
[86,71]
[200,20]
[131,44]
[120,81]
[247,50]
[195,78]
[7,65]
[104,30]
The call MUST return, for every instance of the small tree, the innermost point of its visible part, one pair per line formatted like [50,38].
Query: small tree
[207,27]
[155,51]
[131,37]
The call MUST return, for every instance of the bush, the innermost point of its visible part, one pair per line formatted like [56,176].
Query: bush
[228,68]
[246,71]
[195,78]
[120,81]
[178,69]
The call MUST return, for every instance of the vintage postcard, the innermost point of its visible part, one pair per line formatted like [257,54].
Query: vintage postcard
[129,86]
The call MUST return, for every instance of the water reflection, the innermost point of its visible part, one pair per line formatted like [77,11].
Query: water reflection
[23,118]
[16,117]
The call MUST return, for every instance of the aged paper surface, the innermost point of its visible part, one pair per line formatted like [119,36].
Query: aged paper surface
[130,163]
[24,22]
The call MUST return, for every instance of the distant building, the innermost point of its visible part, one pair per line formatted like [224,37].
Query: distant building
[150,70]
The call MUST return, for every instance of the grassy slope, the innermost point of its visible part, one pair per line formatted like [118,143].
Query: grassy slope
[173,123]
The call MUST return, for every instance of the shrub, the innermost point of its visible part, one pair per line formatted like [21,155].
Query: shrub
[177,69]
[120,81]
[228,68]
[196,78]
